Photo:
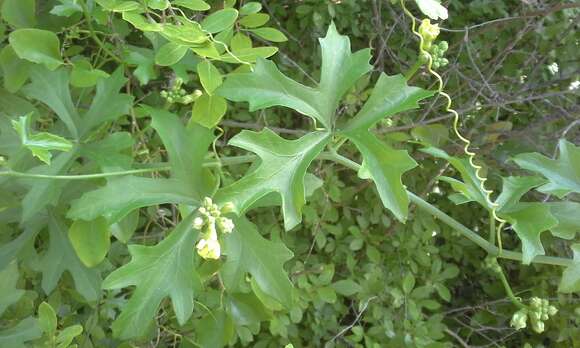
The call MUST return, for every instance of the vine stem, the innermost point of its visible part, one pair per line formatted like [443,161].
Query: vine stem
[337,158]
[94,36]
[451,222]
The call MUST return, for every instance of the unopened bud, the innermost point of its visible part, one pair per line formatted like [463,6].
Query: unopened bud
[198,223]
[227,208]
[519,319]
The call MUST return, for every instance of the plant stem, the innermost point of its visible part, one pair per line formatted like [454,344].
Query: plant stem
[94,36]
[156,168]
[491,237]
[508,289]
[466,232]
[413,70]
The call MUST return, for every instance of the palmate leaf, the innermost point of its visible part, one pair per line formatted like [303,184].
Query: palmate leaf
[571,278]
[157,272]
[282,170]
[61,257]
[9,293]
[563,174]
[17,336]
[384,164]
[266,86]
[248,252]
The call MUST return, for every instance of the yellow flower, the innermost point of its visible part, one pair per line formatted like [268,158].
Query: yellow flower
[429,32]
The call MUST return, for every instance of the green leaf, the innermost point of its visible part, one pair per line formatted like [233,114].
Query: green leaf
[408,283]
[514,188]
[187,148]
[563,173]
[346,287]
[208,110]
[254,20]
[209,76]
[52,88]
[381,162]
[108,104]
[61,257]
[270,34]
[123,195]
[90,240]
[47,319]
[160,5]
[248,252]
[385,165]
[250,8]
[246,309]
[38,46]
[40,144]
[215,322]
[83,75]
[43,193]
[119,5]
[568,219]
[67,8]
[195,5]
[571,277]
[67,335]
[282,170]
[9,294]
[160,271]
[529,220]
[16,337]
[433,9]
[15,70]
[19,13]
[170,54]
[266,86]
[220,20]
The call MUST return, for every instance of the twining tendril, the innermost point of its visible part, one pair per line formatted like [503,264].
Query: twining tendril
[424,54]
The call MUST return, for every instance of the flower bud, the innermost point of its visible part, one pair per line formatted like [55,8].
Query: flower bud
[519,319]
[538,326]
[226,225]
[552,311]
[198,223]
[429,32]
[227,208]
[209,249]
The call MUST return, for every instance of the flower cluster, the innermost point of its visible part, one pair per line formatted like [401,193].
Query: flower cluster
[176,94]
[437,52]
[209,222]
[429,33]
[538,312]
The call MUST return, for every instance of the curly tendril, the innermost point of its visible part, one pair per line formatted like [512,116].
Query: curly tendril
[423,53]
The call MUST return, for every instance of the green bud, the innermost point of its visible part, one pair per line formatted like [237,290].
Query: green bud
[519,319]
[443,46]
[552,311]
[228,207]
[163,94]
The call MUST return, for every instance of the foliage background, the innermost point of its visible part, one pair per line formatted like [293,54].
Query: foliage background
[363,279]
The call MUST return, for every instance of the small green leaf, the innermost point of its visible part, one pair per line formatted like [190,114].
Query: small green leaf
[568,219]
[164,270]
[209,75]
[119,5]
[250,8]
[571,277]
[248,252]
[188,34]
[433,9]
[38,46]
[195,5]
[408,283]
[160,5]
[47,319]
[19,13]
[91,240]
[220,20]
[346,287]
[170,54]
[67,8]
[208,110]
[40,144]
[254,20]
[67,335]
[270,34]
